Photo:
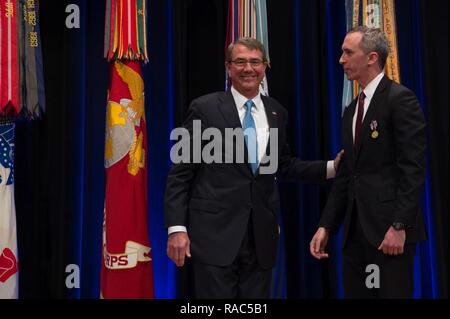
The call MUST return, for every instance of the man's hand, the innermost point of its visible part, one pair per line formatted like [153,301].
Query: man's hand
[318,243]
[393,242]
[337,160]
[178,246]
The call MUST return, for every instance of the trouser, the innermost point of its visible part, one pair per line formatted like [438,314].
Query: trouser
[244,278]
[361,262]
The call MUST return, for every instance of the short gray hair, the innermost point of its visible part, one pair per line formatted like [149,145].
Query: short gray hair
[249,43]
[373,40]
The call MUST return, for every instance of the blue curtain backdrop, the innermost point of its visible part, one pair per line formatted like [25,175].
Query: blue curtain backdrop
[59,160]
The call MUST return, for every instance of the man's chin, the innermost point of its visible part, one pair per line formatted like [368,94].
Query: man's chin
[250,85]
[248,89]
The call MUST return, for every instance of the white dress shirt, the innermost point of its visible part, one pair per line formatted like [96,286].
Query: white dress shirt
[369,91]
[259,117]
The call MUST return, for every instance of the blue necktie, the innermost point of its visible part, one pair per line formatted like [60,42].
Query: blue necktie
[248,125]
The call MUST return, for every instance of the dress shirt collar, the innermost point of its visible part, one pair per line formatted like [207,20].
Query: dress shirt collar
[369,90]
[240,100]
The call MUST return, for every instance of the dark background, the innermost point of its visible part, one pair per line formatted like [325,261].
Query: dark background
[59,159]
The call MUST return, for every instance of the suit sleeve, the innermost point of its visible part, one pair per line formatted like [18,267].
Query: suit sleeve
[294,169]
[336,206]
[410,144]
[182,174]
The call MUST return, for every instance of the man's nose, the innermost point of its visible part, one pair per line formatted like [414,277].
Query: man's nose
[248,66]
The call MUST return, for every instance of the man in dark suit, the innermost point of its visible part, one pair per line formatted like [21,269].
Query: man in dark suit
[379,183]
[222,213]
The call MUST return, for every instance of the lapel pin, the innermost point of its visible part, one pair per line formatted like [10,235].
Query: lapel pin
[274,113]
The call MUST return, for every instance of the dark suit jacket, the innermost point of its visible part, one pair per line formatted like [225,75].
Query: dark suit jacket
[215,201]
[383,175]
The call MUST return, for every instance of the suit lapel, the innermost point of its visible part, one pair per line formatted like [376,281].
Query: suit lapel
[271,114]
[272,120]
[348,127]
[229,112]
[377,99]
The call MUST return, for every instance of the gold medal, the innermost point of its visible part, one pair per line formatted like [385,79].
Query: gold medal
[375,134]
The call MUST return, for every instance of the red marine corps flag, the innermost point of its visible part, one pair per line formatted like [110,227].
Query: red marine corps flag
[126,258]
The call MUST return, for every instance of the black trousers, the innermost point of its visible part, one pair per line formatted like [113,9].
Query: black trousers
[360,259]
[243,279]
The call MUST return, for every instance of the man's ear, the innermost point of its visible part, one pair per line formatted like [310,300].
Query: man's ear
[373,58]
[227,67]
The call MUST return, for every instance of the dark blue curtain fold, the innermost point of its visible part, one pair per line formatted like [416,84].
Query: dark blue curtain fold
[86,85]
[335,31]
[159,103]
[419,73]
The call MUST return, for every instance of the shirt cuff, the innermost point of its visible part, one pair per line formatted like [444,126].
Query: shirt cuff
[331,173]
[176,229]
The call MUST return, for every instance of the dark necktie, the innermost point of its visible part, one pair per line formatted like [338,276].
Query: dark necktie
[359,117]
[248,124]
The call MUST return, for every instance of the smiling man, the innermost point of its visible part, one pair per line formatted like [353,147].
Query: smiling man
[246,68]
[224,214]
[378,186]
